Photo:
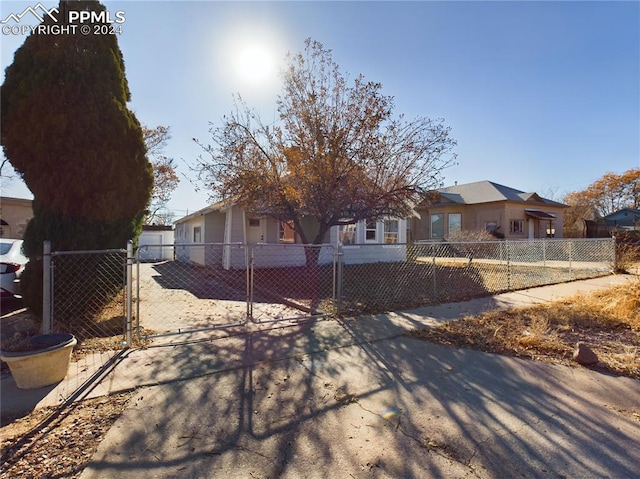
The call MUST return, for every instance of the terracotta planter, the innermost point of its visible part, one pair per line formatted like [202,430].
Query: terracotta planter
[46,363]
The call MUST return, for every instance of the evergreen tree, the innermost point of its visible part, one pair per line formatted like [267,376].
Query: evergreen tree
[67,131]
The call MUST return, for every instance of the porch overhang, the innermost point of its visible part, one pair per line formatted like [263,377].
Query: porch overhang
[540,215]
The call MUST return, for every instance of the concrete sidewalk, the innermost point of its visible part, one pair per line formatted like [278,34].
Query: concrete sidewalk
[356,398]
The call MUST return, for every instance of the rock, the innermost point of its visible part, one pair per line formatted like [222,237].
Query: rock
[584,355]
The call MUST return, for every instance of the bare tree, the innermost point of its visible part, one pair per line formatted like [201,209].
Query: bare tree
[337,154]
[165,179]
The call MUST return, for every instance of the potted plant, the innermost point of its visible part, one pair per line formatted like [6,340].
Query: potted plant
[38,361]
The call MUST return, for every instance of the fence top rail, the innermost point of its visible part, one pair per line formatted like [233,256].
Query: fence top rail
[98,251]
[524,240]
[239,243]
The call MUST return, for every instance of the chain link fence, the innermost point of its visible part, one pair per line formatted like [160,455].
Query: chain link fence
[88,294]
[290,281]
[105,297]
[209,286]
[438,272]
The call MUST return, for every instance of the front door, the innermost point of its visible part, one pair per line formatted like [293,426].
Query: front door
[532,228]
[256,230]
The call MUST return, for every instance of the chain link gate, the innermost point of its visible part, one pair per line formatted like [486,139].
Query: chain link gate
[190,287]
[201,286]
[86,293]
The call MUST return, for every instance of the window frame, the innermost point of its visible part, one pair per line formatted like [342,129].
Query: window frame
[459,226]
[387,233]
[516,231]
[367,229]
[349,229]
[432,220]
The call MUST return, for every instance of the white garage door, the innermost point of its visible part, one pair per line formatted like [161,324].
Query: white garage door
[148,250]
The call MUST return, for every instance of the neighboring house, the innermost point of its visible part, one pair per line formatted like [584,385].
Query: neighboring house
[488,206]
[228,223]
[15,213]
[626,219]
[150,241]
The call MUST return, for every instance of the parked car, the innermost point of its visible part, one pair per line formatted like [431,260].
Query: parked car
[12,263]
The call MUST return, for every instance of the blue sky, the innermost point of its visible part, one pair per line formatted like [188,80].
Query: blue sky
[541,96]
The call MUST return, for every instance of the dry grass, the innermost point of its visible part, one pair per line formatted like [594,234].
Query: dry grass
[58,442]
[607,321]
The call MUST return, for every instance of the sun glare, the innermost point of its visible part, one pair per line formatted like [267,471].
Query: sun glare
[250,57]
[254,64]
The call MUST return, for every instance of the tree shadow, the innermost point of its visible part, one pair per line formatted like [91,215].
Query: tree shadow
[329,399]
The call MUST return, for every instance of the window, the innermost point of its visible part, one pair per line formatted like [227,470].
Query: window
[254,222]
[347,234]
[491,226]
[455,223]
[390,231]
[437,226]
[286,233]
[516,227]
[197,234]
[371,232]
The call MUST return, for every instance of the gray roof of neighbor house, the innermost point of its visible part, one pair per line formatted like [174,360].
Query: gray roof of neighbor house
[488,192]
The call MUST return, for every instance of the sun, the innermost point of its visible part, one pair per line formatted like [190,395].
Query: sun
[249,57]
[254,64]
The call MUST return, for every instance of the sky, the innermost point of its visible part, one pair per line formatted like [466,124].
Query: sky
[540,96]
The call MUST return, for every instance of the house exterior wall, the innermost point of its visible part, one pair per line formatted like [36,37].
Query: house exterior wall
[186,235]
[273,230]
[236,234]
[230,227]
[372,252]
[477,217]
[16,212]
[214,227]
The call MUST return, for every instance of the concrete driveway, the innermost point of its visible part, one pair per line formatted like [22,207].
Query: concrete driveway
[357,398]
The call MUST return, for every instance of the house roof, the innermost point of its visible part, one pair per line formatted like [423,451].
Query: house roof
[219,206]
[157,228]
[488,192]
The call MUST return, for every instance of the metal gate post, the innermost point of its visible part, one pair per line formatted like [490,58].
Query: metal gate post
[339,279]
[249,257]
[129,299]
[435,279]
[571,260]
[508,255]
[138,332]
[47,286]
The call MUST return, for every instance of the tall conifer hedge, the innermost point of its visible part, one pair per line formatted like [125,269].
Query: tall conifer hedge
[66,129]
